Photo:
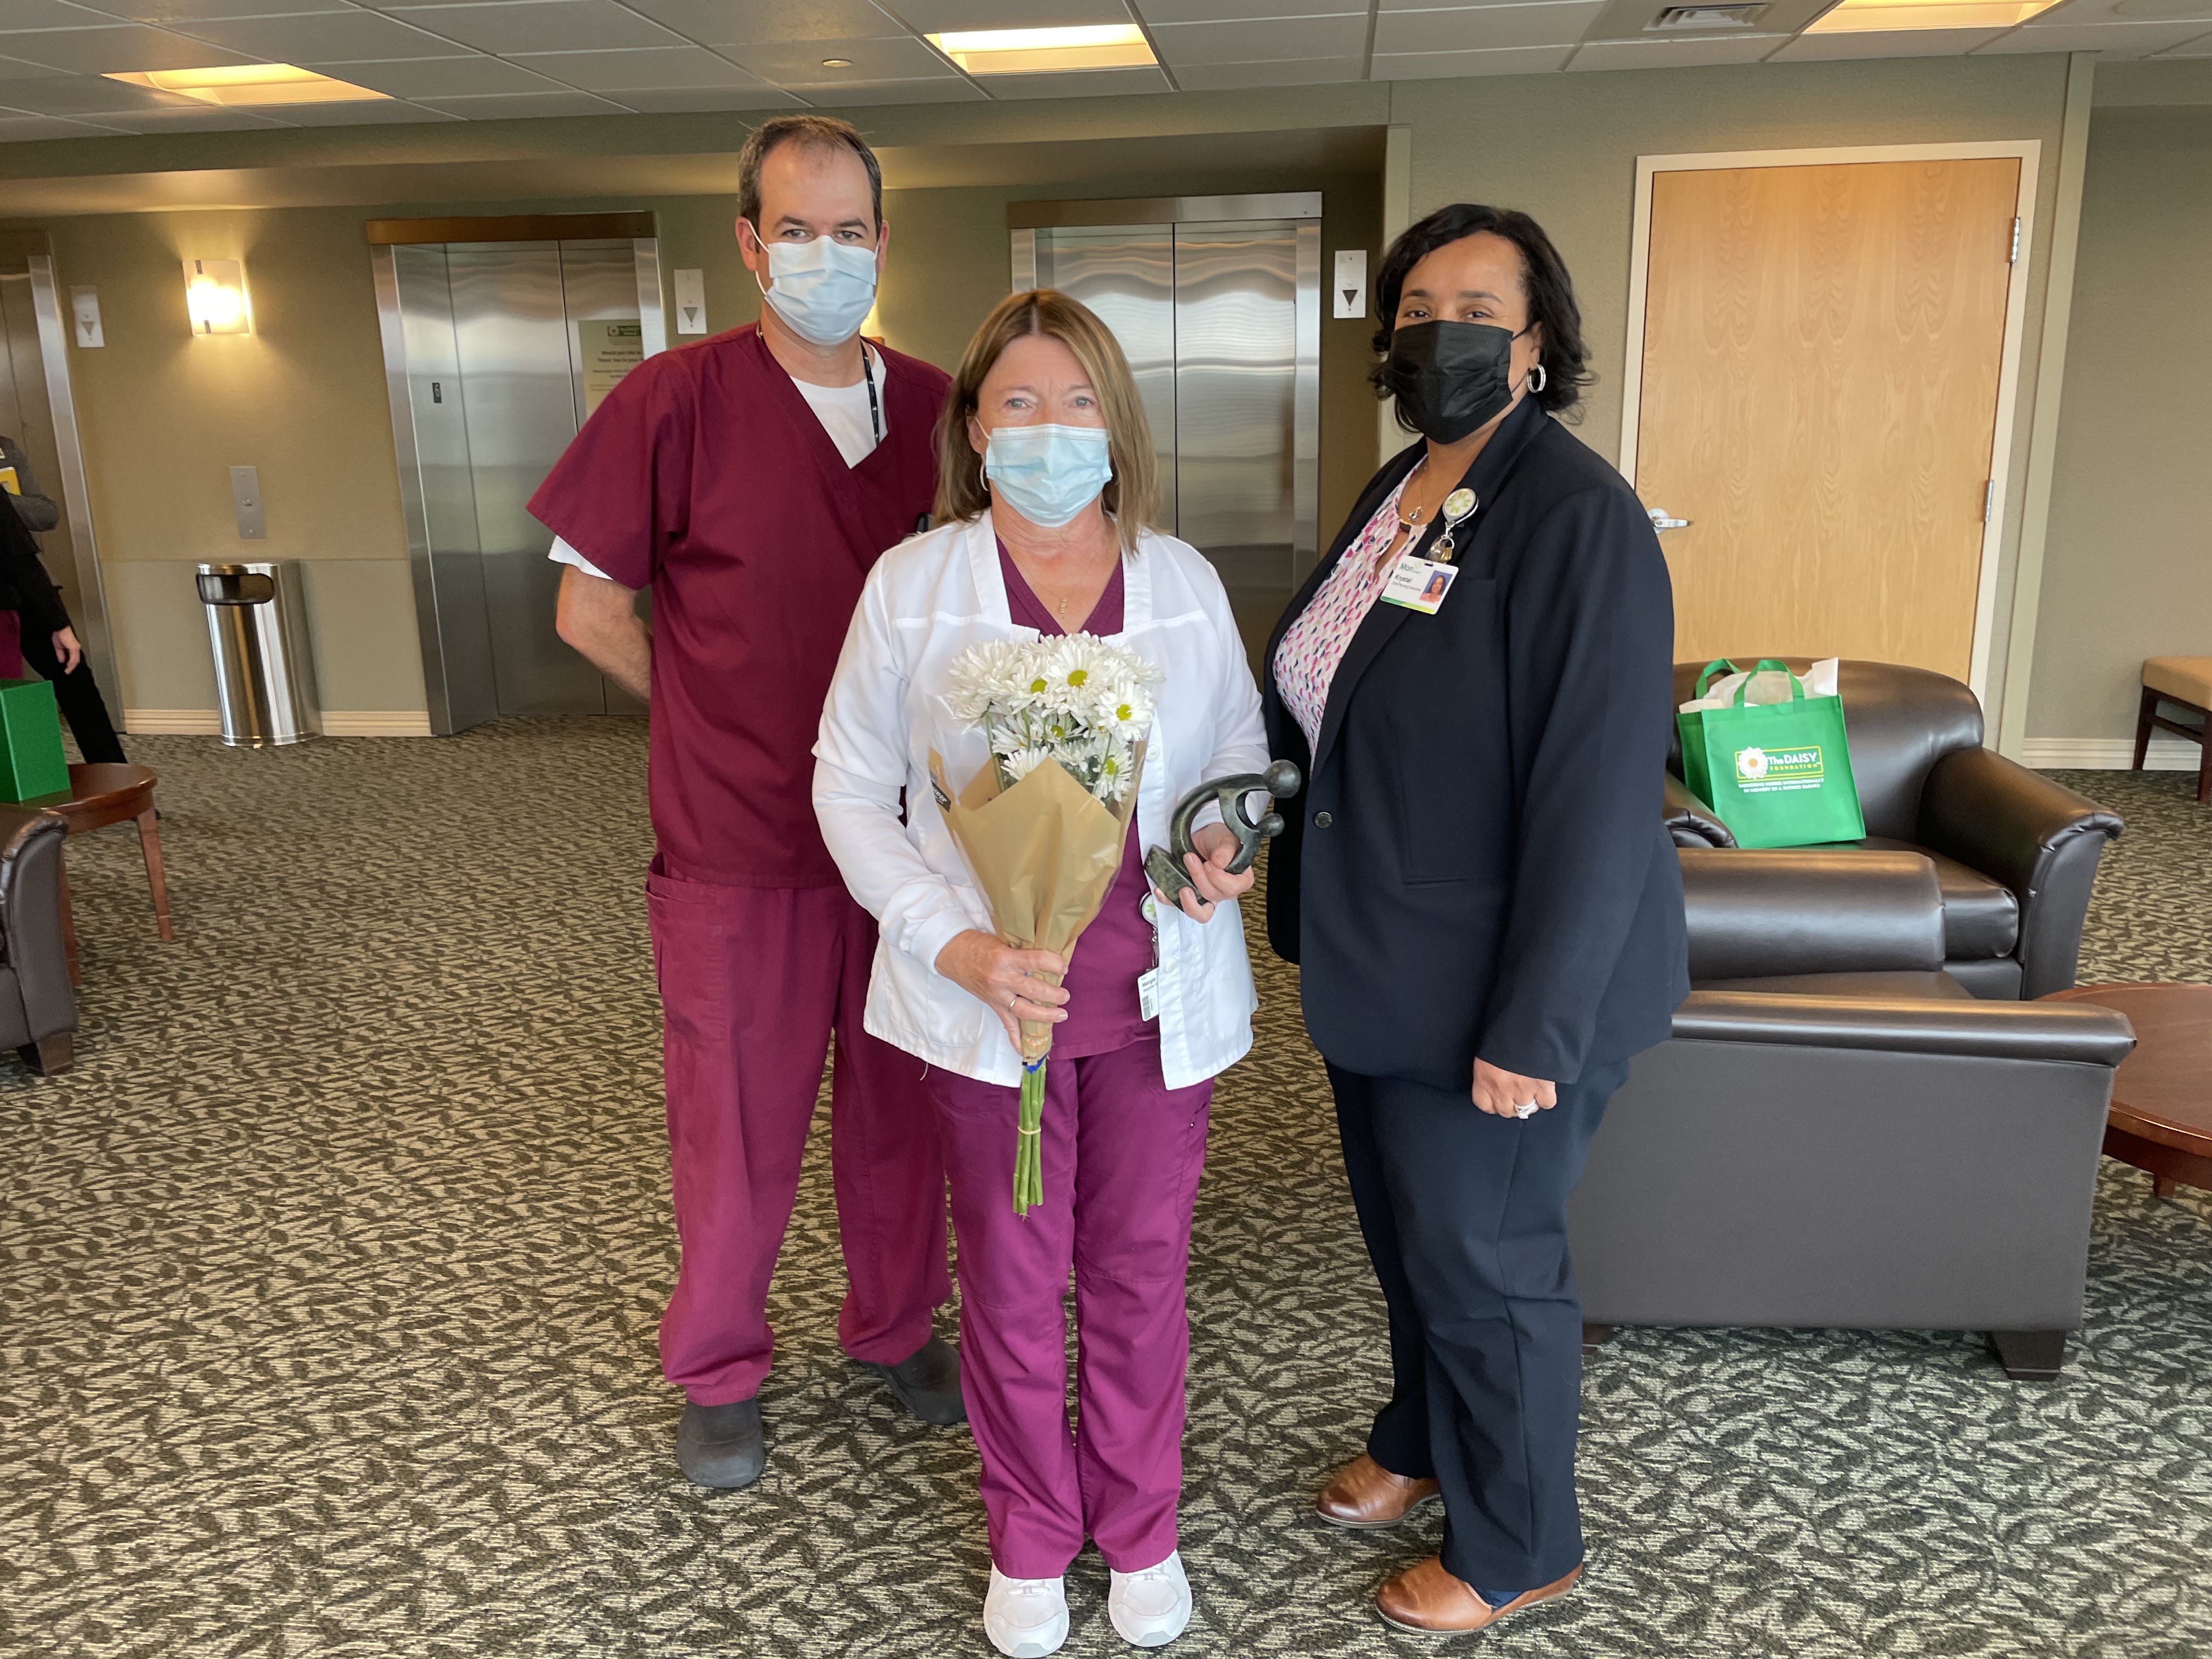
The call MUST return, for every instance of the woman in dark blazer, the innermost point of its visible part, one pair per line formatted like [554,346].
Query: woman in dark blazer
[1476,883]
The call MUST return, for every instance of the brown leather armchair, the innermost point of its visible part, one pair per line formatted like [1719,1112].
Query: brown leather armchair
[1838,1134]
[38,1010]
[2017,854]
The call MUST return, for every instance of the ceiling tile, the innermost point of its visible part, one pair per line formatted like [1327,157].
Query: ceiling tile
[1428,66]
[1092,83]
[946,89]
[1157,12]
[934,16]
[177,11]
[384,112]
[49,15]
[474,74]
[1482,28]
[540,26]
[124,47]
[1675,54]
[1288,72]
[526,105]
[673,101]
[2113,39]
[14,68]
[14,128]
[2200,47]
[1245,42]
[620,71]
[201,117]
[88,95]
[334,37]
[1884,43]
[789,64]
[717,22]
[2126,11]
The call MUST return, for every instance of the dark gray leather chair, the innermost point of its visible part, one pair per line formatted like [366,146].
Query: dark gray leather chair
[2017,854]
[1839,1134]
[38,1009]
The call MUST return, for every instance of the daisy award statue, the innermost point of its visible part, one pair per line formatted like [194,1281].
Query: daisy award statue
[1165,865]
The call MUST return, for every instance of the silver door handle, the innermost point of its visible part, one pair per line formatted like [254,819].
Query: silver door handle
[1661,521]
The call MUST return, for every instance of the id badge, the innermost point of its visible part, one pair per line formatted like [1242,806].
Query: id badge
[1148,994]
[1420,584]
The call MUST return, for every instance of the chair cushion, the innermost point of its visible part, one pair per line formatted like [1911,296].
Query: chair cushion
[2187,680]
[1879,987]
[1981,917]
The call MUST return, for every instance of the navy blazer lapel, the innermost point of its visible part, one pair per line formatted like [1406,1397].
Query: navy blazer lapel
[1486,476]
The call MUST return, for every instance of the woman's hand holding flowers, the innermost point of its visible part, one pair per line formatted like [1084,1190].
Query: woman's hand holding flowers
[1006,979]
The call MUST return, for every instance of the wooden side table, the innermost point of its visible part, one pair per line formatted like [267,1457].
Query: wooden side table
[2161,1114]
[101,794]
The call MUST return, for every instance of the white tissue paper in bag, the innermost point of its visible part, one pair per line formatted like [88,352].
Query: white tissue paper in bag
[1819,681]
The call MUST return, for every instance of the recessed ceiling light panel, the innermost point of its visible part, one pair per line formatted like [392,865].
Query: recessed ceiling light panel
[1882,16]
[251,84]
[1039,52]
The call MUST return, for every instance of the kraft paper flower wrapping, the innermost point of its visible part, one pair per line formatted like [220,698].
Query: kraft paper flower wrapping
[1043,821]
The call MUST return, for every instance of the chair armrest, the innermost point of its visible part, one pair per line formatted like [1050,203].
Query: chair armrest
[31,916]
[1761,913]
[2038,837]
[1993,1030]
[1690,821]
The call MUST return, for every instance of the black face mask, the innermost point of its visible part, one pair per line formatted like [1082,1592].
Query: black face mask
[1450,378]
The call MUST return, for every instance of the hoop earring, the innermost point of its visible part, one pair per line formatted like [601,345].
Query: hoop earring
[1537,378]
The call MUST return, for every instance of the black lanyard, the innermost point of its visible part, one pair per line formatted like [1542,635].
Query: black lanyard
[875,412]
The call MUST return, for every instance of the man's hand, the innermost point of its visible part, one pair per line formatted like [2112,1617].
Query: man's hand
[599,618]
[1006,979]
[1503,1094]
[1209,872]
[67,650]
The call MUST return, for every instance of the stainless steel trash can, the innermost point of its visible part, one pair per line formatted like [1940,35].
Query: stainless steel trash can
[257,618]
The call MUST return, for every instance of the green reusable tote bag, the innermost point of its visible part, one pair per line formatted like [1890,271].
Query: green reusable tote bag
[1778,773]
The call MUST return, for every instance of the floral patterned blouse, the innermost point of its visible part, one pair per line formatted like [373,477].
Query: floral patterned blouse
[1314,644]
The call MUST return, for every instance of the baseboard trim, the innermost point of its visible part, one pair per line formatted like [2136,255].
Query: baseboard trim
[376,723]
[336,722]
[181,722]
[2107,754]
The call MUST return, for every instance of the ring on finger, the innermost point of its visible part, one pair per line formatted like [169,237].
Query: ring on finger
[1526,1108]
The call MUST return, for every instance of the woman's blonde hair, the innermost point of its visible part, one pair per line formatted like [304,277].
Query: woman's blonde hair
[1132,497]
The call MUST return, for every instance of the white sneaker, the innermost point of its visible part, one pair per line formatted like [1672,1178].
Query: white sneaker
[1152,1607]
[1027,1618]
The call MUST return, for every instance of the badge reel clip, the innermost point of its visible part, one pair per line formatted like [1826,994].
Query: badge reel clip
[1165,865]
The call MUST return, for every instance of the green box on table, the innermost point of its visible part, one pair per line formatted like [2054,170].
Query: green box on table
[31,759]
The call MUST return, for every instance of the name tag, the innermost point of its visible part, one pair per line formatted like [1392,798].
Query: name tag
[1420,584]
[1148,994]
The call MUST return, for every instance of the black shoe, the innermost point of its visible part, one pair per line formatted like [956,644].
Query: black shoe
[927,1383]
[721,1446]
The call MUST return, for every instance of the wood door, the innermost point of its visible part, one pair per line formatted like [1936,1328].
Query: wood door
[1821,352]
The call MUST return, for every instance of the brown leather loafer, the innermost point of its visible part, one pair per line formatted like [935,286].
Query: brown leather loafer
[1366,1497]
[1428,1600]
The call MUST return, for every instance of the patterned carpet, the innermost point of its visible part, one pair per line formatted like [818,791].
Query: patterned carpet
[330,1277]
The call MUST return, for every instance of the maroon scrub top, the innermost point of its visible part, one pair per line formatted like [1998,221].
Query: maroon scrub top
[705,476]
[1104,1011]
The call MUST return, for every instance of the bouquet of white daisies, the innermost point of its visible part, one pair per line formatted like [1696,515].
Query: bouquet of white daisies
[1043,822]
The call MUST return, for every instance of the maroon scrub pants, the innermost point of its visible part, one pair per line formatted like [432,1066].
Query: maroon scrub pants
[753,980]
[1122,1152]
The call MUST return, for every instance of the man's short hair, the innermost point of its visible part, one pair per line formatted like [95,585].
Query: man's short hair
[814,132]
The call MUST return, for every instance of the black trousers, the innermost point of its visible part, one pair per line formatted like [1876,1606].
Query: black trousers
[77,693]
[1465,1218]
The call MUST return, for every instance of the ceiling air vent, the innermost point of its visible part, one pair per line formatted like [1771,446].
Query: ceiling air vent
[1702,19]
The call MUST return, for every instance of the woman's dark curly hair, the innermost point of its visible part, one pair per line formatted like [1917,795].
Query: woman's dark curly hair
[1544,278]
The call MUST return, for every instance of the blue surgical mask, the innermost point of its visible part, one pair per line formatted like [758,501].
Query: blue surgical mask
[1047,474]
[822,287]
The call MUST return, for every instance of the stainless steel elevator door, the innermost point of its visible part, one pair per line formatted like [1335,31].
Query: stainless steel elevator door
[1212,316]
[506,347]
[26,417]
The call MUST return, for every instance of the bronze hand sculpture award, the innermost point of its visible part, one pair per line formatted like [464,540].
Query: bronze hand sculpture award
[1165,865]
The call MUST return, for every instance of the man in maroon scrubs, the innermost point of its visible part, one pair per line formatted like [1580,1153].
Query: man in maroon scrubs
[752,480]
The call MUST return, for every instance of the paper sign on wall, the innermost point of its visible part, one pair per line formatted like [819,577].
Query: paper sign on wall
[84,306]
[690,302]
[1349,293]
[605,351]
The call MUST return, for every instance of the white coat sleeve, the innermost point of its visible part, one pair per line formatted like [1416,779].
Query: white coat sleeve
[860,768]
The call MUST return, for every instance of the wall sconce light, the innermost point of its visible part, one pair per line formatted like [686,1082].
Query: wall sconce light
[214,297]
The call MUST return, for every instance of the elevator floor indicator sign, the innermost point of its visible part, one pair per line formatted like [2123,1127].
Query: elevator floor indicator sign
[1767,771]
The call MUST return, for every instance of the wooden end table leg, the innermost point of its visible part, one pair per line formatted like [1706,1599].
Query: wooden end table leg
[68,923]
[2144,717]
[150,844]
[2162,1186]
